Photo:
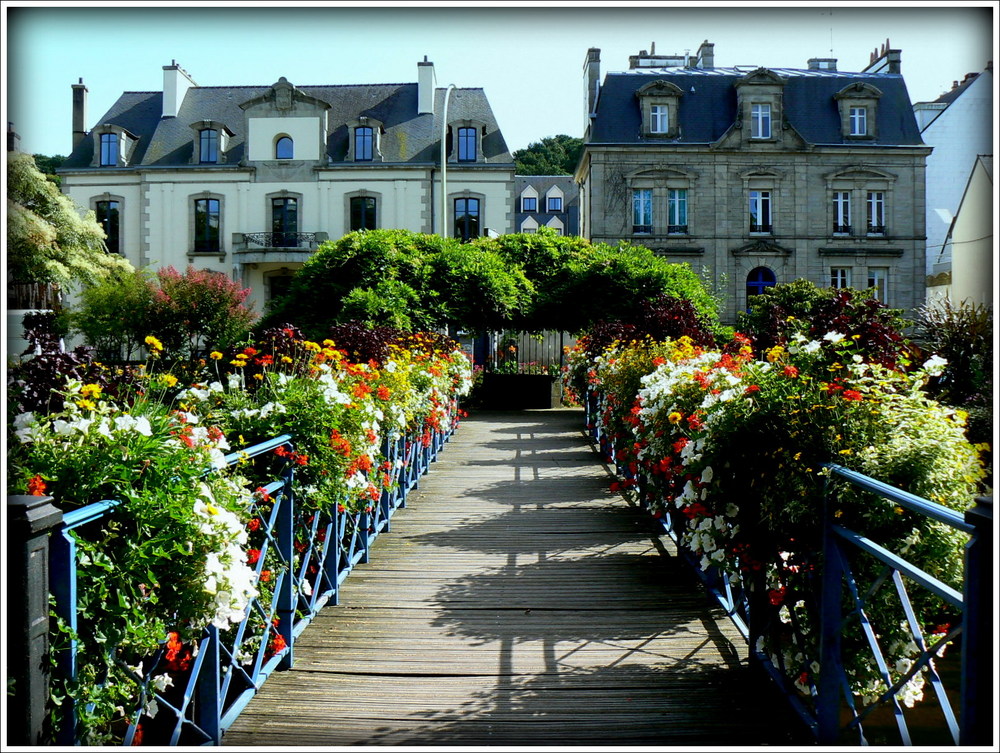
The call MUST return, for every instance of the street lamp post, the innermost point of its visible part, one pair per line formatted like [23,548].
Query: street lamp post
[444,163]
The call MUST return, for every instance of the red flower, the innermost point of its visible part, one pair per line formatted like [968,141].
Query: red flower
[751,389]
[36,486]
[680,444]
[265,576]
[252,556]
[253,524]
[278,644]
[178,656]
[791,372]
[853,395]
[776,595]
[250,351]
[383,393]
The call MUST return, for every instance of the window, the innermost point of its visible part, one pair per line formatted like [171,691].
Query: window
[284,148]
[760,211]
[840,277]
[529,204]
[759,280]
[466,219]
[206,225]
[677,221]
[760,121]
[659,119]
[278,285]
[554,203]
[842,212]
[642,211]
[876,213]
[108,218]
[878,279]
[208,146]
[859,121]
[363,213]
[363,144]
[109,149]
[466,144]
[284,222]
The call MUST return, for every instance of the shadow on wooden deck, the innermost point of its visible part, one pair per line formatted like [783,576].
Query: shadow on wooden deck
[517,601]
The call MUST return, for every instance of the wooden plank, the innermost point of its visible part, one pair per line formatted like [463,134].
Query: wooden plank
[517,601]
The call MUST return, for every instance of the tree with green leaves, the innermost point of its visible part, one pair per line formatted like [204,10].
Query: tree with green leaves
[553,155]
[48,166]
[49,238]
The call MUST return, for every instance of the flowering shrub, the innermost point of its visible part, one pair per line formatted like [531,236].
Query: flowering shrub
[185,546]
[732,448]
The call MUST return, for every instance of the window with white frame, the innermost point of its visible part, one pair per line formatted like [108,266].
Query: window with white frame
[878,280]
[642,211]
[876,212]
[760,211]
[659,119]
[529,203]
[842,212]
[840,277]
[760,121]
[677,217]
[858,118]
[554,203]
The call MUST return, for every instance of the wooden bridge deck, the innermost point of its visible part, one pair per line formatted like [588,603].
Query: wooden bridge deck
[517,601]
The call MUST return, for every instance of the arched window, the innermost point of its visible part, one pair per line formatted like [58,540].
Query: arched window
[758,281]
[283,148]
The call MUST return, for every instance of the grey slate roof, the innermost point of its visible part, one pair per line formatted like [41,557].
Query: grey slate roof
[408,137]
[708,112]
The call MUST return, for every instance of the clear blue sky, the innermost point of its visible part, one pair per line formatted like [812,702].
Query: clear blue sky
[527,57]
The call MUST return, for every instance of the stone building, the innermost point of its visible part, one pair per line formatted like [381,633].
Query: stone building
[758,176]
[248,180]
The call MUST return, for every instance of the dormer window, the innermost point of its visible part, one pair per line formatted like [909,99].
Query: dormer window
[109,149]
[284,148]
[760,121]
[363,144]
[208,146]
[467,138]
[529,203]
[659,104]
[858,103]
[112,146]
[211,139]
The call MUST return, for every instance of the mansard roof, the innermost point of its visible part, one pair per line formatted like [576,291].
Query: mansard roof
[408,137]
[708,107]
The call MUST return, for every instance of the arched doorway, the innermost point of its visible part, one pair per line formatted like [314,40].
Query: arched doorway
[758,281]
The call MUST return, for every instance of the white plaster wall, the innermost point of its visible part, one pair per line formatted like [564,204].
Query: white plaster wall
[958,135]
[303,130]
[972,249]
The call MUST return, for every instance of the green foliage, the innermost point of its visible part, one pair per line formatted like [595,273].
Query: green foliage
[553,155]
[48,166]
[49,238]
[116,314]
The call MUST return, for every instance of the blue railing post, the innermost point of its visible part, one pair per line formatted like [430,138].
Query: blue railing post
[977,643]
[828,688]
[208,701]
[285,595]
[29,521]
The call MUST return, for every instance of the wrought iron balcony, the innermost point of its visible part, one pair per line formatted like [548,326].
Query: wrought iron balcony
[677,229]
[842,230]
[760,227]
[876,229]
[642,229]
[280,240]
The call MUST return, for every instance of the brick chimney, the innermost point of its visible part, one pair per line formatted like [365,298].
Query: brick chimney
[706,55]
[176,82]
[79,112]
[426,85]
[885,61]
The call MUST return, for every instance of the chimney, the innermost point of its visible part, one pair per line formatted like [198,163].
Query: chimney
[706,55]
[426,85]
[79,112]
[13,140]
[591,84]
[822,64]
[885,61]
[176,82]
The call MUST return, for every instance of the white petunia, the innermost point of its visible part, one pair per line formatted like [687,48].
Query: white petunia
[833,337]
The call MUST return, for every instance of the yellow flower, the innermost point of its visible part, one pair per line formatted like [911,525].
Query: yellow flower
[286,359]
[154,343]
[309,345]
[258,376]
[86,404]
[211,509]
[845,452]
[215,355]
[91,390]
[675,417]
[775,353]
[169,379]
[238,363]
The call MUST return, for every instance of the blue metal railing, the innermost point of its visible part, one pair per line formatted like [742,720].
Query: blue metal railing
[745,602]
[308,554]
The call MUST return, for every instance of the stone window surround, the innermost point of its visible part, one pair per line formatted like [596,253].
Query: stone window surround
[453,128]
[660,181]
[224,136]
[378,130]
[126,144]
[466,194]
[858,94]
[659,93]
[121,215]
[362,194]
[191,199]
[761,179]
[858,180]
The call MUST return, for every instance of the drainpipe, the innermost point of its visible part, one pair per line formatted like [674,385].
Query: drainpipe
[444,164]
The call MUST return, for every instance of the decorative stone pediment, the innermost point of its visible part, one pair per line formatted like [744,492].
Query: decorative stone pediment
[762,246]
[659,88]
[761,76]
[284,97]
[858,90]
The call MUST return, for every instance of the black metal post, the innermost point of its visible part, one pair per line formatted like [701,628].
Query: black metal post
[29,521]
[977,641]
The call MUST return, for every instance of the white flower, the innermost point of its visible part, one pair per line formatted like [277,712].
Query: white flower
[834,337]
[140,424]
[707,475]
[162,682]
[935,365]
[811,347]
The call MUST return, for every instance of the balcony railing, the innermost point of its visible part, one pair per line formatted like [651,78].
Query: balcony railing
[760,227]
[876,229]
[842,230]
[677,229]
[280,240]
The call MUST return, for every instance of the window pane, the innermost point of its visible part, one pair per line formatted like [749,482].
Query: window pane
[555,203]
[284,149]
[760,211]
[206,225]
[363,146]
[677,206]
[466,144]
[285,222]
[859,121]
[209,143]
[658,122]
[108,218]
[529,204]
[760,121]
[362,213]
[466,218]
[642,210]
[758,281]
[109,149]
[840,277]
[878,279]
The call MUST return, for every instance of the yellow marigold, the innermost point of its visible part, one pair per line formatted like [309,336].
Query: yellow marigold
[215,355]
[169,379]
[86,404]
[675,417]
[91,390]
[775,353]
[238,363]
[258,376]
[286,359]
[154,343]
[310,345]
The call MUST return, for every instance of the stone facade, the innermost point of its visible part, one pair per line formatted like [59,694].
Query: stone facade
[748,204]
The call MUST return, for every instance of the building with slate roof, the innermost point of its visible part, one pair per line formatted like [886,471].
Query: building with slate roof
[958,125]
[248,180]
[758,176]
[551,201]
